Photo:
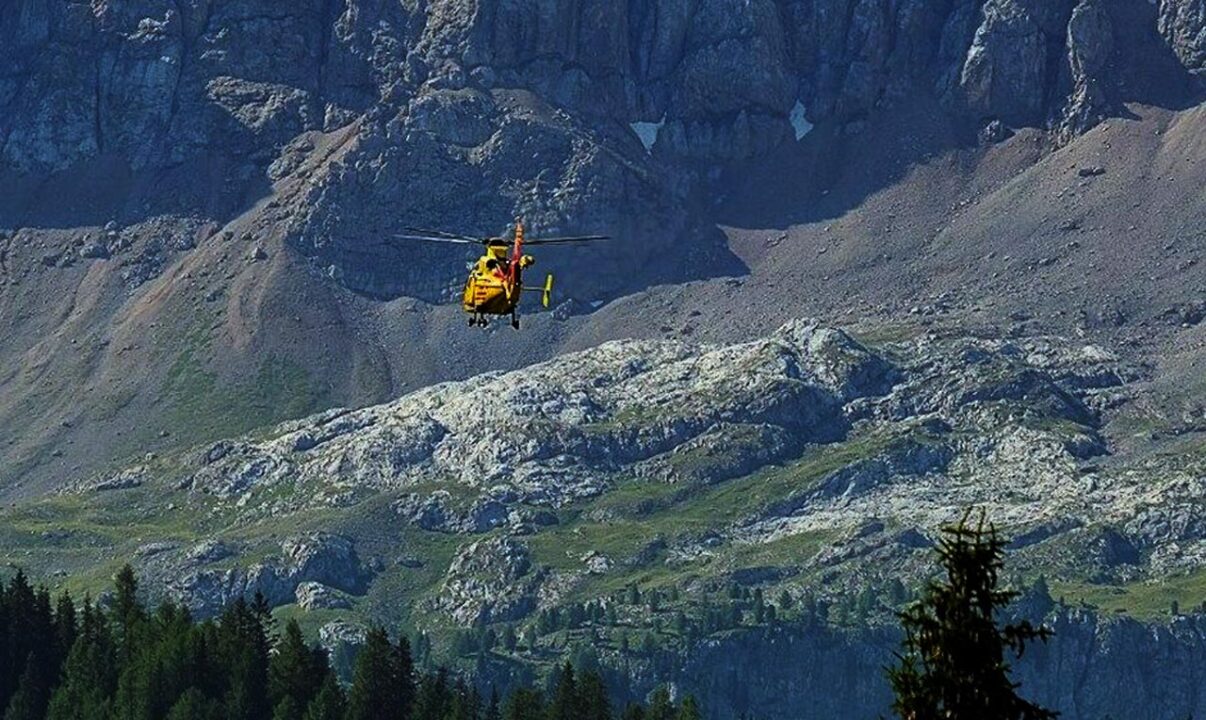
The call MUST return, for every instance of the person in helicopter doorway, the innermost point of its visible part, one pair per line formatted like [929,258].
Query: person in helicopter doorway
[496,263]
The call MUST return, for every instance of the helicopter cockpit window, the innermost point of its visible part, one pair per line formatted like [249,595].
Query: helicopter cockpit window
[491,264]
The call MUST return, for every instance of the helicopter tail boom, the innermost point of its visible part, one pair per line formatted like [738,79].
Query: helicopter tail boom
[546,292]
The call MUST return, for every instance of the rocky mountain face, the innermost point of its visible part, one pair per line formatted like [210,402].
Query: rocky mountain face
[168,84]
[934,426]
[225,178]
[470,113]
[659,484]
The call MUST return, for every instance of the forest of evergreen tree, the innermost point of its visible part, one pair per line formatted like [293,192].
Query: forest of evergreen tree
[60,660]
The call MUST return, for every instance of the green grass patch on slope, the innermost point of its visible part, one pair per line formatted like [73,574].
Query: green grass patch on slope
[1146,600]
[622,524]
[209,407]
[84,538]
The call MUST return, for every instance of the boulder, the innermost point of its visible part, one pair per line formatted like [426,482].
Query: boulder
[316,596]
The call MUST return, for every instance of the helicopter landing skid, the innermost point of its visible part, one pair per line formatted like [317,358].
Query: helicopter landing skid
[480,320]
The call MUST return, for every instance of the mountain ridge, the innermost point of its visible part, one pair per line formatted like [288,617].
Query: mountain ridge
[804,465]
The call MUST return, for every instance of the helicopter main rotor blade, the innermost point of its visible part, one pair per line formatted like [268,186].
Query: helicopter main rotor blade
[425,232]
[445,240]
[567,240]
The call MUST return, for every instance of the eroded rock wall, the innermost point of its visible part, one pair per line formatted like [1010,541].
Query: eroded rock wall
[156,83]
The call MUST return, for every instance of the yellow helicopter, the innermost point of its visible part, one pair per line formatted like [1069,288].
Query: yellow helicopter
[495,283]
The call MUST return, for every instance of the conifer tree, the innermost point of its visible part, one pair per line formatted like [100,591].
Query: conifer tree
[565,704]
[660,705]
[434,698]
[475,703]
[166,661]
[465,704]
[20,628]
[295,671]
[329,703]
[29,700]
[242,647]
[379,689]
[128,663]
[494,709]
[553,680]
[405,664]
[126,609]
[193,705]
[89,675]
[7,671]
[689,710]
[263,612]
[680,623]
[524,704]
[287,709]
[953,664]
[42,646]
[594,701]
[785,600]
[139,689]
[1042,591]
[64,628]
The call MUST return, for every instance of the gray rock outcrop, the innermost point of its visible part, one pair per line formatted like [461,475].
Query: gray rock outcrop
[934,425]
[312,595]
[572,423]
[491,581]
[307,566]
[1183,25]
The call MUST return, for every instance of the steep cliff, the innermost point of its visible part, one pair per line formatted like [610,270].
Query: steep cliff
[1093,668]
[158,85]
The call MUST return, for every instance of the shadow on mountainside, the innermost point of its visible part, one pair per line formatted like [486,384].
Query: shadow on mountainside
[104,189]
[835,168]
